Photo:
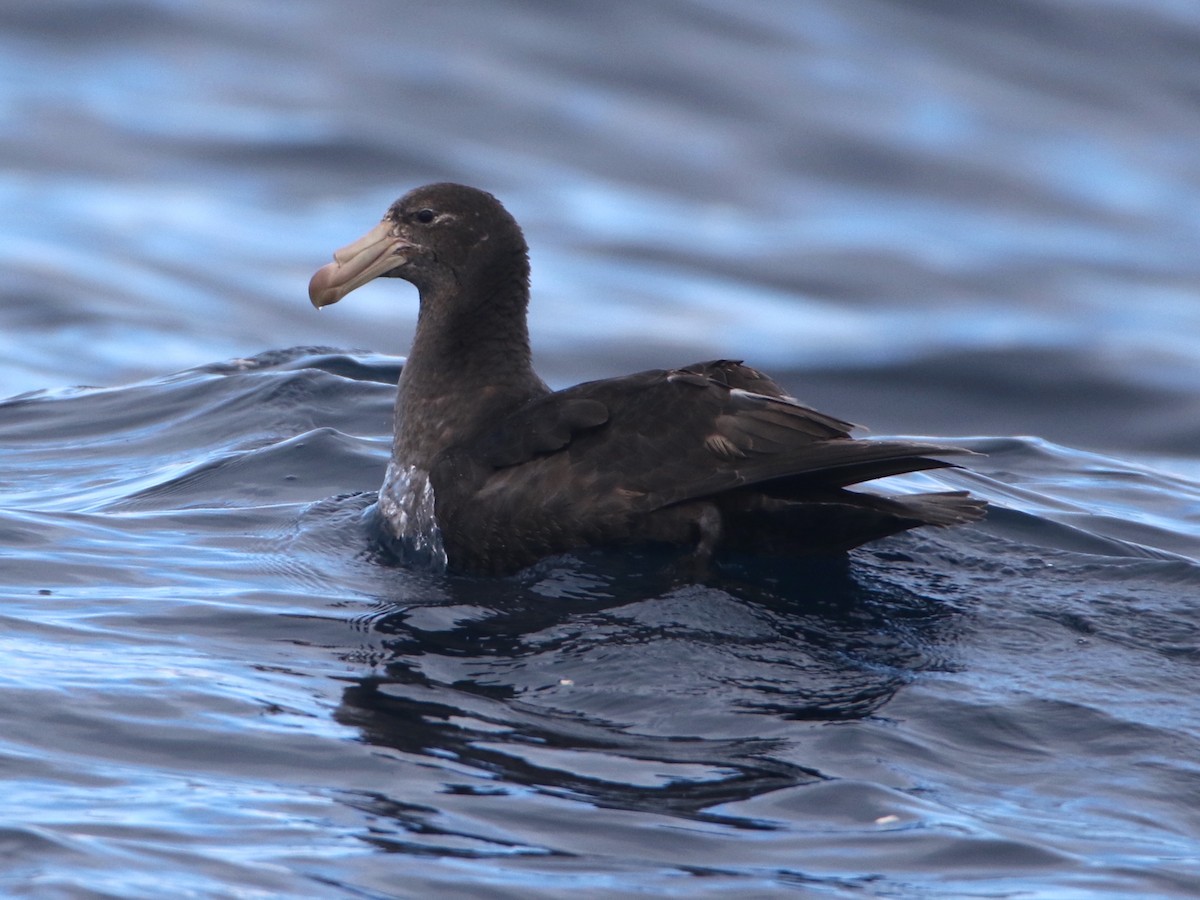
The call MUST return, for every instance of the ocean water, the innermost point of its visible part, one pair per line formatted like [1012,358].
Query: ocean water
[971,221]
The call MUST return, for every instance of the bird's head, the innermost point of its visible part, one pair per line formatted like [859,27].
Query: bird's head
[437,237]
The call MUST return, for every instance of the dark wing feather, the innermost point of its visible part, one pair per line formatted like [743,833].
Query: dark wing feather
[671,436]
[543,426]
[733,373]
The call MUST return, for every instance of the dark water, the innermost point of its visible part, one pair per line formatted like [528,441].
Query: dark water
[969,220]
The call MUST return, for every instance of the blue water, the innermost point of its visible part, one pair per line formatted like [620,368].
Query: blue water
[964,220]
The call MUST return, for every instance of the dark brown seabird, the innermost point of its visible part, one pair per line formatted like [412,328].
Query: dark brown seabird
[491,470]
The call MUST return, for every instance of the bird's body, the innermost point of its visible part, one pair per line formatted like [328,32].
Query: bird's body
[491,470]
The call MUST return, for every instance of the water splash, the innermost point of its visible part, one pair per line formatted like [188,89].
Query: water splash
[406,505]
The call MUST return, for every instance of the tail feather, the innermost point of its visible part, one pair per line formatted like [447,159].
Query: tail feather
[943,508]
[837,521]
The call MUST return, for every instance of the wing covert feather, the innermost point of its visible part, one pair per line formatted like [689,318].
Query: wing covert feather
[665,436]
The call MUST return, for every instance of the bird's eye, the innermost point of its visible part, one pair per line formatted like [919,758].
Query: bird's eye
[425,216]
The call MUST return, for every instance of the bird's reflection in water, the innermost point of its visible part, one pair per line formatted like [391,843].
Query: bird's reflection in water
[604,676]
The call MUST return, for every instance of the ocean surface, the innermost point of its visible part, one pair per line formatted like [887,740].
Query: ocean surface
[974,221]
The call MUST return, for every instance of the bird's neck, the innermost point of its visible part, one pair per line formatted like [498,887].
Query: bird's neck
[470,364]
